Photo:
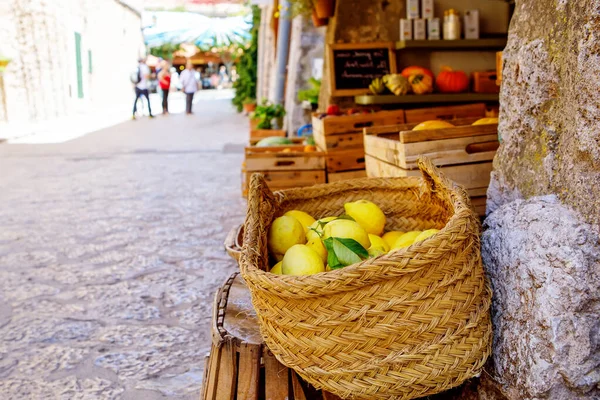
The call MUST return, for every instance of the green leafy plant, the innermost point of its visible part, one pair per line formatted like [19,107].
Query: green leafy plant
[165,51]
[312,94]
[266,112]
[249,100]
[247,66]
[301,7]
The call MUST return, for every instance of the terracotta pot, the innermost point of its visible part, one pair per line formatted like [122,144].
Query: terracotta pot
[317,22]
[325,8]
[248,108]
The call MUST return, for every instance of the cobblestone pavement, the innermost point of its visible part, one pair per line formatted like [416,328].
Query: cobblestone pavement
[110,254]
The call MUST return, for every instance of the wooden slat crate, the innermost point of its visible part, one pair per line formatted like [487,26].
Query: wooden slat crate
[464,152]
[296,141]
[445,112]
[499,68]
[296,168]
[239,366]
[264,133]
[273,159]
[345,131]
[342,176]
[345,159]
[400,145]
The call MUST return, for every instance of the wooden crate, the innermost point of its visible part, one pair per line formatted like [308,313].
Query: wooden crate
[264,133]
[239,365]
[341,160]
[446,112]
[280,180]
[295,141]
[343,176]
[296,168]
[399,145]
[485,82]
[475,177]
[499,68]
[273,159]
[463,153]
[345,131]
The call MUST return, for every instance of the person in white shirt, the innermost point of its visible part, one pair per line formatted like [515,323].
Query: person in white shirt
[189,85]
[141,87]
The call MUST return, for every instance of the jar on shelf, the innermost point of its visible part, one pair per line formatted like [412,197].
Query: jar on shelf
[451,25]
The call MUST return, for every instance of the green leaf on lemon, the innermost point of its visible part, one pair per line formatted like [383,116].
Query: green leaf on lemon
[346,216]
[342,252]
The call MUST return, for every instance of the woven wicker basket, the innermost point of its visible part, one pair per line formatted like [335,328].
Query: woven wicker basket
[411,323]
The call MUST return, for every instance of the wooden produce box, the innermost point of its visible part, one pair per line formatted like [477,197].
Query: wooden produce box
[445,112]
[464,153]
[284,170]
[345,131]
[499,68]
[344,176]
[265,133]
[295,141]
[485,82]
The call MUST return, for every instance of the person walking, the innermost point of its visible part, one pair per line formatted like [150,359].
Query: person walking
[164,80]
[189,85]
[141,85]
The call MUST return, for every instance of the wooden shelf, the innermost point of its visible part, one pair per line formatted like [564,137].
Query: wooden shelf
[426,98]
[491,44]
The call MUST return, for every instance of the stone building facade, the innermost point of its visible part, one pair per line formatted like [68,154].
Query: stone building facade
[69,56]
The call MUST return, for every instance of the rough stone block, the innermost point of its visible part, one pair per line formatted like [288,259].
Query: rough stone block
[544,265]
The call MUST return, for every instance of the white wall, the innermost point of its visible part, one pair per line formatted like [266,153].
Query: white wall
[41,81]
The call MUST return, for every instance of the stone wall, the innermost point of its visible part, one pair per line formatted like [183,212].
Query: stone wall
[41,81]
[541,242]
[550,116]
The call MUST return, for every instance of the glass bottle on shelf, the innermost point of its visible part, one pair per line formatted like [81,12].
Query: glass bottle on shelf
[451,25]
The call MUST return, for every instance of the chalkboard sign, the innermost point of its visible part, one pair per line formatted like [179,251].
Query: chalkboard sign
[354,66]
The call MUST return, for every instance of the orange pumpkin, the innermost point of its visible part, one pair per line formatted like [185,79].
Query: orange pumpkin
[450,81]
[421,83]
[414,70]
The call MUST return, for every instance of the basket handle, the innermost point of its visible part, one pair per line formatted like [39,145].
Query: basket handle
[261,206]
[434,179]
[438,184]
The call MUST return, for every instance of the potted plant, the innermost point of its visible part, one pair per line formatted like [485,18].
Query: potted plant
[325,8]
[269,118]
[307,8]
[311,95]
[249,105]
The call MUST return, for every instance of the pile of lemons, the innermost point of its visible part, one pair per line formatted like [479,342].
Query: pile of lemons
[296,240]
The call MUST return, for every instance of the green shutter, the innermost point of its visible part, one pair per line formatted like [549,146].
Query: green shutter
[79,65]
[90,61]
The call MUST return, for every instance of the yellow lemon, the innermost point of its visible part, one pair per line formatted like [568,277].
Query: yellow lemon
[486,121]
[284,233]
[318,247]
[311,234]
[435,124]
[425,234]
[406,240]
[305,219]
[327,268]
[376,251]
[376,241]
[345,228]
[391,237]
[277,268]
[302,260]
[367,214]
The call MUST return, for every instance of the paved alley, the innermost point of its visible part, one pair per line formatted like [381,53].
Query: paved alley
[111,249]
